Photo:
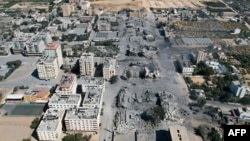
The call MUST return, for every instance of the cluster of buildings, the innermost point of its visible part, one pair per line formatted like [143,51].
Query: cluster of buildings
[29,44]
[71,110]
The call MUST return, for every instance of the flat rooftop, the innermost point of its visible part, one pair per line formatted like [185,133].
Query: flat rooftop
[93,96]
[67,80]
[46,59]
[178,133]
[89,80]
[51,119]
[82,113]
[65,99]
[86,57]
[109,63]
[52,46]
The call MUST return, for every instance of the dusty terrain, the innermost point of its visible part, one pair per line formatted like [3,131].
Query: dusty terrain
[15,128]
[28,5]
[198,80]
[137,4]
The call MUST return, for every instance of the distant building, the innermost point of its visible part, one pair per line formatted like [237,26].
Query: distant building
[67,85]
[104,25]
[50,127]
[185,66]
[47,68]
[67,9]
[64,101]
[86,63]
[54,50]
[109,68]
[201,56]
[222,56]
[82,119]
[238,89]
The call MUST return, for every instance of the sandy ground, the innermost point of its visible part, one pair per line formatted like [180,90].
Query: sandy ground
[29,5]
[199,80]
[137,4]
[5,92]
[15,128]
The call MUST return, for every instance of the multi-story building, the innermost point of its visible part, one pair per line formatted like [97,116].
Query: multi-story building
[82,119]
[30,44]
[89,81]
[238,89]
[93,97]
[64,101]
[201,56]
[109,68]
[34,48]
[67,9]
[86,64]
[67,84]
[185,67]
[37,95]
[54,50]
[47,68]
[50,127]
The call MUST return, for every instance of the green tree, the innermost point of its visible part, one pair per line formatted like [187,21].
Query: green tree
[76,137]
[214,135]
[34,123]
[201,102]
[113,79]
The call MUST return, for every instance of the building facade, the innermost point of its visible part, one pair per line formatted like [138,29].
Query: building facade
[67,9]
[82,119]
[50,127]
[238,89]
[47,68]
[54,50]
[86,64]
[67,85]
[64,101]
[109,68]
[201,56]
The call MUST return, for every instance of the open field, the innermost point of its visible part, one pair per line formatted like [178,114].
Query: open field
[30,5]
[15,128]
[137,4]
[198,80]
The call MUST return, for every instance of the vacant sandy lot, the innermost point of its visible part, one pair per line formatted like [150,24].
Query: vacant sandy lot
[29,5]
[198,80]
[137,4]
[15,128]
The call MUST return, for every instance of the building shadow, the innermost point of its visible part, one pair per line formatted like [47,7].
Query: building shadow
[98,71]
[163,135]
[177,66]
[35,74]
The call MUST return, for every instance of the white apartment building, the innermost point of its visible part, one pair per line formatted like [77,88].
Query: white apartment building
[186,67]
[86,63]
[30,44]
[93,97]
[67,85]
[238,89]
[54,50]
[89,81]
[109,68]
[64,101]
[82,119]
[47,68]
[201,56]
[50,127]
[67,9]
